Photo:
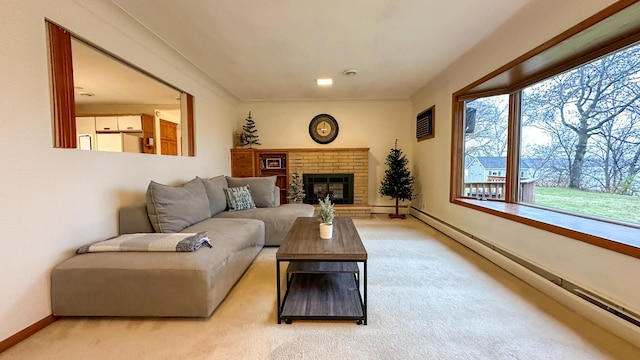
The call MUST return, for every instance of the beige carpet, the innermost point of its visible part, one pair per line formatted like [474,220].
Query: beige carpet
[429,298]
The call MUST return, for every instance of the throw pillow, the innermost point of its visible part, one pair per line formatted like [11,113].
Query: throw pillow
[262,189]
[217,199]
[173,208]
[239,198]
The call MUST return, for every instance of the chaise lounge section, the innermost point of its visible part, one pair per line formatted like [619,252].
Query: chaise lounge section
[176,284]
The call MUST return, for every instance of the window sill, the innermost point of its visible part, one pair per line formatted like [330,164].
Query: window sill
[616,237]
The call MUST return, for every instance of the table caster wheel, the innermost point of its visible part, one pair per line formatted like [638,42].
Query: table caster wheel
[359,322]
[287,321]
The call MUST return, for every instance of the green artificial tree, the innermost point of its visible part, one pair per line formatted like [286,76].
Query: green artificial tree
[296,188]
[397,182]
[249,131]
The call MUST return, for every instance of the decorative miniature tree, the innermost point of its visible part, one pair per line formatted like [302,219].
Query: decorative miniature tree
[325,215]
[296,188]
[397,182]
[325,212]
[249,131]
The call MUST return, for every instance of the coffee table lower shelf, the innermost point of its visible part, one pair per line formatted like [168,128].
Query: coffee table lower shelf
[317,293]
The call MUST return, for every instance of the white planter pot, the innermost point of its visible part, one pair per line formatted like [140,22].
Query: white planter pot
[326,231]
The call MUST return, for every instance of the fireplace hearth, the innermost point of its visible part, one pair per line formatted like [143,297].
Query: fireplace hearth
[338,186]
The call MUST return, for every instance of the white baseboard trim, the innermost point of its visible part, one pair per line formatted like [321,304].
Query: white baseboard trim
[594,313]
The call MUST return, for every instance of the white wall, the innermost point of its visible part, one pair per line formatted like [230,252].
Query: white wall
[54,200]
[362,124]
[607,273]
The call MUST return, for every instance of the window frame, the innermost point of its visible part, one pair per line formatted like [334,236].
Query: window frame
[595,37]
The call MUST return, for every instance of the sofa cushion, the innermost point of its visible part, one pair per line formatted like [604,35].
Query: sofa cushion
[217,198]
[277,221]
[173,208]
[239,198]
[261,189]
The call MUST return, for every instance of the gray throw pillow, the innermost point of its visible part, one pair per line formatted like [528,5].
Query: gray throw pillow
[217,200]
[173,208]
[239,198]
[261,189]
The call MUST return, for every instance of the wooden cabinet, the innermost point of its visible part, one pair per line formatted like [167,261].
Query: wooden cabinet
[148,134]
[243,163]
[262,162]
[272,163]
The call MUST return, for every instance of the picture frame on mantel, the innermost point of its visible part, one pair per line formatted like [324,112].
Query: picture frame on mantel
[425,124]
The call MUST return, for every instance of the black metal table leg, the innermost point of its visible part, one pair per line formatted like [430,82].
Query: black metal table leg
[365,292]
[278,289]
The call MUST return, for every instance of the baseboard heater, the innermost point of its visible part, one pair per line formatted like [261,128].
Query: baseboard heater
[599,301]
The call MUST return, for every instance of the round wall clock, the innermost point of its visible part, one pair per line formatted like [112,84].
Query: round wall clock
[323,128]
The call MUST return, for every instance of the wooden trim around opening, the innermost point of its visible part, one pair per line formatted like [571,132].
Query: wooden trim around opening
[25,333]
[457,151]
[513,147]
[63,103]
[191,146]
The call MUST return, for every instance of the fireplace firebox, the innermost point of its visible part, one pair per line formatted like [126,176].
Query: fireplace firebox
[338,186]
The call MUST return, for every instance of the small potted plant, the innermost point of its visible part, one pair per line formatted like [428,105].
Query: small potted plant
[325,215]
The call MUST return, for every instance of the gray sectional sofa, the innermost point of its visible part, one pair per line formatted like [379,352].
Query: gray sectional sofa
[179,284]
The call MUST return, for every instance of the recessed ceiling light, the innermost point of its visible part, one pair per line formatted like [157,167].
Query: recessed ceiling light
[350,72]
[324,82]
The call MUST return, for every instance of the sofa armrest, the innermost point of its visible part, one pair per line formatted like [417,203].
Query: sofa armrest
[134,219]
[276,196]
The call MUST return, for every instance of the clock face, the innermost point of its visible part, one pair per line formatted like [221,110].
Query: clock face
[323,128]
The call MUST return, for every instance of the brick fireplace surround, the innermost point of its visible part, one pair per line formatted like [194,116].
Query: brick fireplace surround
[337,161]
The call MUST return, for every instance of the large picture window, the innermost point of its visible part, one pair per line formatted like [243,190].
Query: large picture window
[580,138]
[554,141]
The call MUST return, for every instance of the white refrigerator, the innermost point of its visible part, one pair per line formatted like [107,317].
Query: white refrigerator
[119,142]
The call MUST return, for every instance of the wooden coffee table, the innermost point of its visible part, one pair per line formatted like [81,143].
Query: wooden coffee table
[323,277]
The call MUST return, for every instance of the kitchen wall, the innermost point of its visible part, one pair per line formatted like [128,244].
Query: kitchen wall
[54,200]
[371,124]
[611,275]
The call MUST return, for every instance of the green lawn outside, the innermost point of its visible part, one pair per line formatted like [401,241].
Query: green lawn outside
[618,207]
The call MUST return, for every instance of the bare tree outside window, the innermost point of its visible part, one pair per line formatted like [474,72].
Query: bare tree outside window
[581,135]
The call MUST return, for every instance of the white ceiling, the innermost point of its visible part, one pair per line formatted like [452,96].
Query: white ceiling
[111,82]
[275,49]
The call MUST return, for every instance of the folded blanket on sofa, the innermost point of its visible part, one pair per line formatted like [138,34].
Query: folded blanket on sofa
[180,242]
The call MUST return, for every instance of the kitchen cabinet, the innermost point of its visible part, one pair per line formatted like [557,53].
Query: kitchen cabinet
[140,125]
[119,123]
[130,123]
[85,125]
[106,123]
